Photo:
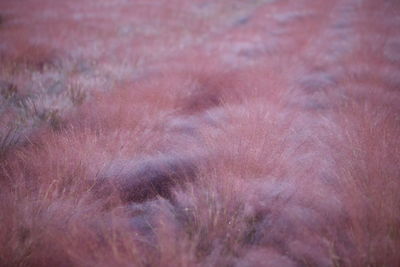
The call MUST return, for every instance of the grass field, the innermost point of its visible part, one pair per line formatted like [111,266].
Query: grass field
[200,133]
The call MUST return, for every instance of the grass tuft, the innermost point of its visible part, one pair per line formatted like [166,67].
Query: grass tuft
[9,137]
[76,94]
